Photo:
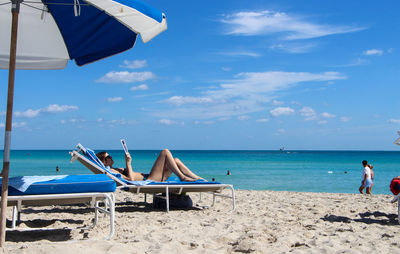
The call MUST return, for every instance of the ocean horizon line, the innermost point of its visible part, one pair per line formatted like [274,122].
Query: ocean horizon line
[216,150]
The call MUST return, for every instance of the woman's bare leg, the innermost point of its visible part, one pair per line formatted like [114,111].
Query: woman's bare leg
[185,170]
[164,166]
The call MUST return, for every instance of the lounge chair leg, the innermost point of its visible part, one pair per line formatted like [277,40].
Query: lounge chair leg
[200,197]
[112,215]
[167,198]
[398,211]
[96,215]
[213,203]
[233,198]
[14,217]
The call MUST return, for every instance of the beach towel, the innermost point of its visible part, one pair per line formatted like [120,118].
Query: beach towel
[22,183]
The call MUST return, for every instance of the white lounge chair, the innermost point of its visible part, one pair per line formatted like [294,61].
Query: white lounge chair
[88,158]
[77,189]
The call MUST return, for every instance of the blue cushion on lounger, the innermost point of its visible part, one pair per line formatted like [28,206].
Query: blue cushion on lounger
[69,184]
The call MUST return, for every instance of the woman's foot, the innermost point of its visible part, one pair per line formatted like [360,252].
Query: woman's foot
[187,179]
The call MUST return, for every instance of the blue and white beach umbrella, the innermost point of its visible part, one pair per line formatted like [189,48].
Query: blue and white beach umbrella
[51,32]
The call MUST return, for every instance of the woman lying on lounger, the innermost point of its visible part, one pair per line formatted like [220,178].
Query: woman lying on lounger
[163,167]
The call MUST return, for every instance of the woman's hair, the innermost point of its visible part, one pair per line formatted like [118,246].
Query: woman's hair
[370,166]
[102,156]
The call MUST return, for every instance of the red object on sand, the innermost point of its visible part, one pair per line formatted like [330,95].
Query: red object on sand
[395,186]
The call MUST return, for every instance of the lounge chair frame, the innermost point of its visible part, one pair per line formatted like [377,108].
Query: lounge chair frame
[397,199]
[93,198]
[213,189]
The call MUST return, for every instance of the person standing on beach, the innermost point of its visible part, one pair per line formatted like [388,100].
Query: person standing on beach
[366,181]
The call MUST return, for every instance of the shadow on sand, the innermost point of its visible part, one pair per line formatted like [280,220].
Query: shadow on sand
[367,218]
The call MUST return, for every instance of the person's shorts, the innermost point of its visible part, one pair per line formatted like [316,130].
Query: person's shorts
[367,184]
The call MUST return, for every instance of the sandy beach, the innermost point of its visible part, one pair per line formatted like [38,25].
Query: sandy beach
[264,222]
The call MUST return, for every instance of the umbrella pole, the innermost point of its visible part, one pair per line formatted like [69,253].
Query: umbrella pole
[7,136]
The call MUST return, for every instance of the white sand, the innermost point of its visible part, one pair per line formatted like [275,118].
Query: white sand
[264,222]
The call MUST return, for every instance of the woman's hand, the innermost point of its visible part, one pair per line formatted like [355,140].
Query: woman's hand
[128,158]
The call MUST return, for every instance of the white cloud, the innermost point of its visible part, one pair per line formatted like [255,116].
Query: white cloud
[269,22]
[62,121]
[396,121]
[280,131]
[277,103]
[354,62]
[322,122]
[114,99]
[204,122]
[15,124]
[281,111]
[179,100]
[167,122]
[242,118]
[241,53]
[262,120]
[371,52]
[327,115]
[345,119]
[19,124]
[309,113]
[75,120]
[29,113]
[135,64]
[294,48]
[126,77]
[53,108]
[141,87]
[226,68]
[246,93]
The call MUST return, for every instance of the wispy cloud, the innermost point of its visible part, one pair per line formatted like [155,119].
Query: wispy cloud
[241,53]
[53,108]
[135,64]
[170,122]
[126,77]
[308,113]
[396,121]
[248,92]
[262,120]
[281,111]
[179,100]
[370,52]
[327,115]
[141,87]
[226,68]
[270,22]
[243,118]
[277,103]
[114,99]
[294,48]
[345,119]
[354,62]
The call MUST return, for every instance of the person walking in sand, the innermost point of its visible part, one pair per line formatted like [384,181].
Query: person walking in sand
[366,181]
[163,167]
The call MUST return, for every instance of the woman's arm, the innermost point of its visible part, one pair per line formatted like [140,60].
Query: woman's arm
[130,175]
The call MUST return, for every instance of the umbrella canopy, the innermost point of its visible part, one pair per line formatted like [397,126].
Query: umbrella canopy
[53,31]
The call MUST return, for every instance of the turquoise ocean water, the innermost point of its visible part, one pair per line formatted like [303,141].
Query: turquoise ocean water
[310,171]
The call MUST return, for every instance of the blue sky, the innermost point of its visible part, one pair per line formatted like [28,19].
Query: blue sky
[228,75]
